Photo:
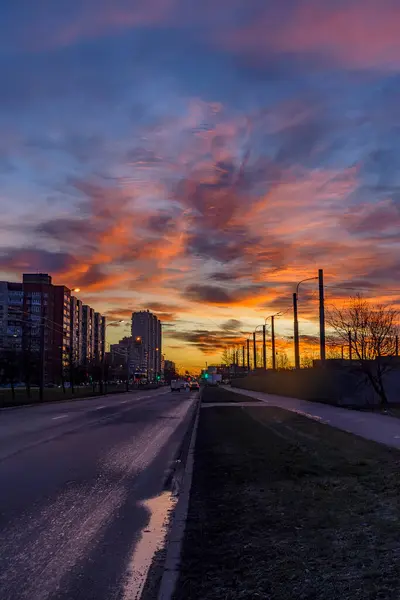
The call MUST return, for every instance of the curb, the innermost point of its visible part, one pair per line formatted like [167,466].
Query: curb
[175,539]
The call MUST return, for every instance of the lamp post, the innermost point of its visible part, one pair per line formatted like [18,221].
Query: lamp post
[321,315]
[272,317]
[296,323]
[156,364]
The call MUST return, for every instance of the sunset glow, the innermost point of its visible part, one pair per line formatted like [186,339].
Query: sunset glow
[201,163]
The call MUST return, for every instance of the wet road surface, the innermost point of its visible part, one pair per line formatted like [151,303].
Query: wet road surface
[81,493]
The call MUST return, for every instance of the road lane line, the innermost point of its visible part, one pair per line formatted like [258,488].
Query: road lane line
[99,407]
[60,417]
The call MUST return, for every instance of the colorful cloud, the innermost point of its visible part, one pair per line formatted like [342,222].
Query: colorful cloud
[201,160]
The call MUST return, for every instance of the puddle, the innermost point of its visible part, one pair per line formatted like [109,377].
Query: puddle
[152,539]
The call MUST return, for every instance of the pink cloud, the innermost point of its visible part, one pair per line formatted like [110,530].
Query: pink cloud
[97,18]
[357,33]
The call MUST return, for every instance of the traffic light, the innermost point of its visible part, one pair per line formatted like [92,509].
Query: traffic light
[158,377]
[205,375]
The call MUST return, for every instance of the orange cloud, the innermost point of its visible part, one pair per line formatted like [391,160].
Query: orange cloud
[216,230]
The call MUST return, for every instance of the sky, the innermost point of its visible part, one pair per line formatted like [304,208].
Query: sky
[199,158]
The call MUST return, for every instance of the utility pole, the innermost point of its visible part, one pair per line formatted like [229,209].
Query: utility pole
[264,350]
[273,342]
[248,355]
[321,315]
[350,349]
[296,333]
[254,351]
[397,345]
[243,361]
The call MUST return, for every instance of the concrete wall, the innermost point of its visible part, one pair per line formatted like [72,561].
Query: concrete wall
[342,387]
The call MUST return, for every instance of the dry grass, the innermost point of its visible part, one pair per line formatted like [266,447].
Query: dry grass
[285,508]
[217,394]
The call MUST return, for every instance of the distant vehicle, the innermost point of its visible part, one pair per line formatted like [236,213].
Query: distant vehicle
[214,379]
[178,384]
[194,386]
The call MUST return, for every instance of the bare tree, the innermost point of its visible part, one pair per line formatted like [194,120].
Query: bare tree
[335,350]
[10,368]
[282,361]
[226,357]
[370,332]
[307,361]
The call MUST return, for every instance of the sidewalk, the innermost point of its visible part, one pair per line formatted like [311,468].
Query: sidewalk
[372,426]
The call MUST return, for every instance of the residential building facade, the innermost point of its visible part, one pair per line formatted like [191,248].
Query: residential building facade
[99,337]
[87,335]
[169,365]
[48,327]
[147,333]
[11,315]
[76,331]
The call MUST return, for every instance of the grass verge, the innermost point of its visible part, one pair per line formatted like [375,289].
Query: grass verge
[52,395]
[285,508]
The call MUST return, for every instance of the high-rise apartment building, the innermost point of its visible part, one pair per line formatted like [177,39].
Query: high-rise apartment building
[169,365]
[146,330]
[76,330]
[99,335]
[11,315]
[88,327]
[48,327]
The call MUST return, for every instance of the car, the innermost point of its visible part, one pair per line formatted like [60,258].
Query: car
[177,385]
[194,386]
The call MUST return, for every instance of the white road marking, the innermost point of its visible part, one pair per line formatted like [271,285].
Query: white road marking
[60,417]
[99,407]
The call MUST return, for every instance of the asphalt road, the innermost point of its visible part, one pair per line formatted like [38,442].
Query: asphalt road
[82,498]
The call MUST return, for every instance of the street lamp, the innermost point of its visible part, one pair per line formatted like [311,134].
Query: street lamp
[296,323]
[156,362]
[272,317]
